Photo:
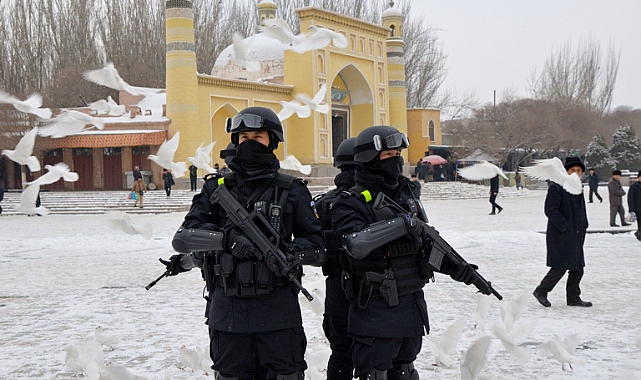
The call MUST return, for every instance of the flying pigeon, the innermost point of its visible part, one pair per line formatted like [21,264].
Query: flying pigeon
[511,312]
[123,221]
[69,122]
[202,157]
[55,172]
[447,343]
[564,351]
[552,169]
[315,102]
[291,163]
[483,303]
[108,107]
[474,359]
[31,105]
[190,358]
[482,170]
[319,38]
[165,156]
[293,107]
[104,338]
[240,57]
[108,76]
[86,357]
[317,305]
[118,372]
[279,29]
[28,199]
[23,151]
[511,338]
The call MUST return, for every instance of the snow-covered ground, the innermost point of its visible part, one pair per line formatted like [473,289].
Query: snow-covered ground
[64,275]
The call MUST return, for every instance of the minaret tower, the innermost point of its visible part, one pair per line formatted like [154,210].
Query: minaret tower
[392,18]
[181,81]
[266,9]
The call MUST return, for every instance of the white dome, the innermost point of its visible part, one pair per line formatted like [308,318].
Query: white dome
[267,2]
[269,51]
[392,12]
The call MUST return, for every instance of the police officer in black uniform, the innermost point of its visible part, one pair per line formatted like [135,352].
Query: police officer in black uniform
[387,258]
[340,365]
[254,315]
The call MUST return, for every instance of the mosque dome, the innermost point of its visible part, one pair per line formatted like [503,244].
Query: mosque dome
[392,12]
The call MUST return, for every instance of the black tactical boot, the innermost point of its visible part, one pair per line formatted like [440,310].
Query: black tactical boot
[403,372]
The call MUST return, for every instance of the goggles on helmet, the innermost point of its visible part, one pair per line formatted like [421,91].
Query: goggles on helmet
[248,120]
[395,141]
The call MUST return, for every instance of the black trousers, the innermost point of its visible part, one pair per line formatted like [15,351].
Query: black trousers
[595,191]
[383,353]
[614,210]
[192,181]
[493,202]
[168,190]
[339,366]
[280,352]
[572,290]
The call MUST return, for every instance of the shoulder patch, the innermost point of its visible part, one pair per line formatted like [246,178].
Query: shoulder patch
[301,180]
[210,176]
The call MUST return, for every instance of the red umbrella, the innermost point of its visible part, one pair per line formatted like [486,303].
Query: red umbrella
[434,159]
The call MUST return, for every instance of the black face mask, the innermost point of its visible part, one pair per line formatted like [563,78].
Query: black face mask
[390,168]
[254,155]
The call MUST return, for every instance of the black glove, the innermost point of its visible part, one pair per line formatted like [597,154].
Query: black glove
[239,245]
[464,273]
[416,228]
[173,265]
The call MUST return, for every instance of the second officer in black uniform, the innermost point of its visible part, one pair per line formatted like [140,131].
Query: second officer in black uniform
[254,316]
[387,259]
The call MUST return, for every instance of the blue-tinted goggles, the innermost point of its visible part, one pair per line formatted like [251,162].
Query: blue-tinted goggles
[247,120]
[395,141]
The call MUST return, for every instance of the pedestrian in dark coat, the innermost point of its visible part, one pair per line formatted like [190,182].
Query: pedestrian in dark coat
[616,193]
[415,186]
[1,195]
[593,183]
[168,178]
[193,177]
[494,192]
[136,173]
[565,235]
[634,203]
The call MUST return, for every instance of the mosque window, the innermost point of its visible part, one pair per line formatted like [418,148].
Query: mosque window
[361,46]
[381,76]
[371,48]
[393,28]
[52,153]
[431,130]
[321,64]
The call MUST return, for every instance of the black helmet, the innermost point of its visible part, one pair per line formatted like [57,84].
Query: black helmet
[256,119]
[374,139]
[228,153]
[345,153]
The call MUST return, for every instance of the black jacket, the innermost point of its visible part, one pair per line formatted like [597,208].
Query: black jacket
[494,184]
[377,319]
[593,181]
[634,198]
[279,310]
[567,225]
[168,178]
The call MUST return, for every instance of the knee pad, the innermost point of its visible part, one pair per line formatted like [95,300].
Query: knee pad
[374,374]
[291,376]
[404,372]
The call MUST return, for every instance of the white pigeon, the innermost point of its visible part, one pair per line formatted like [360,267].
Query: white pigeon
[104,338]
[564,351]
[108,107]
[511,338]
[55,172]
[118,372]
[447,343]
[317,305]
[293,107]
[124,222]
[279,29]
[240,54]
[70,122]
[315,103]
[189,358]
[483,303]
[318,38]
[31,105]
[23,152]
[316,355]
[205,361]
[511,311]
[165,156]
[86,357]
[28,199]
[108,76]
[482,170]
[202,157]
[291,163]
[473,360]
[552,169]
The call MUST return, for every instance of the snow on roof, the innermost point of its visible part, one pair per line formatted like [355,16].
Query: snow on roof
[391,12]
[116,131]
[267,2]
[259,47]
[153,102]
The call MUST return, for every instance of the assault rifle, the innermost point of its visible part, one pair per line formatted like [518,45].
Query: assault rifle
[440,249]
[260,232]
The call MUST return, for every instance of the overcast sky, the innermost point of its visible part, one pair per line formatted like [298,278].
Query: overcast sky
[494,44]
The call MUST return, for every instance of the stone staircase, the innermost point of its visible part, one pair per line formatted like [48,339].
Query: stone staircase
[464,190]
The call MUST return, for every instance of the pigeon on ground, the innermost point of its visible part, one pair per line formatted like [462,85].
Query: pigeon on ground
[23,152]
[118,372]
[315,103]
[279,29]
[108,76]
[482,170]
[202,157]
[564,351]
[190,358]
[108,107]
[104,338]
[69,122]
[317,305]
[205,361]
[165,156]
[240,54]
[552,169]
[511,338]
[319,38]
[316,355]
[55,172]
[447,343]
[291,163]
[28,199]
[293,107]
[124,222]
[31,105]
[474,359]
[85,357]
[483,303]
